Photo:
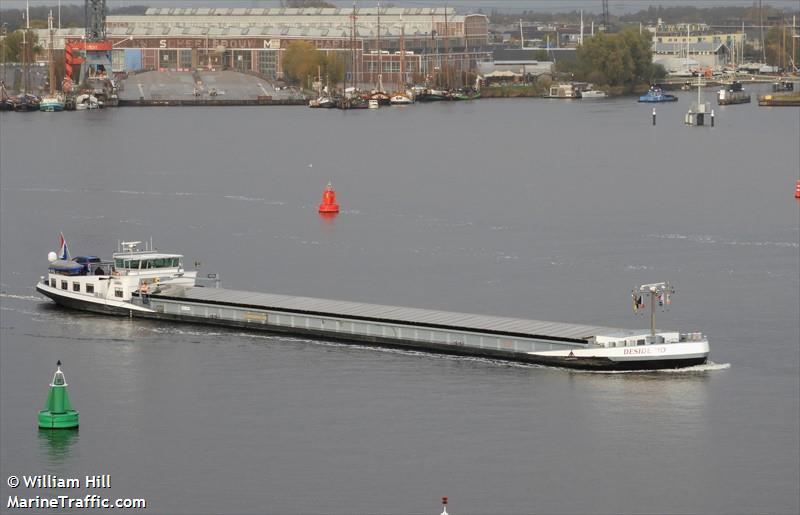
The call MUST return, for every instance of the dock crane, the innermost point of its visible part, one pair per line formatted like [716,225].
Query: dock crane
[93,54]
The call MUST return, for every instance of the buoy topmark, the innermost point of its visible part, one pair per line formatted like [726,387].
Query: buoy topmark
[329,204]
[58,413]
[444,506]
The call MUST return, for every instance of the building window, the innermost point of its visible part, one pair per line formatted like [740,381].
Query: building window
[90,288]
[185,59]
[242,60]
[76,286]
[118,293]
[168,59]
[268,63]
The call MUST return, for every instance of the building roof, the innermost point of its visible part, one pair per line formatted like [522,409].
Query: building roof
[271,31]
[302,11]
[694,48]
[530,54]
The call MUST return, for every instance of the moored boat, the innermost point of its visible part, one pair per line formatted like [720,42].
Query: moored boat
[25,103]
[465,94]
[432,95]
[783,84]
[51,104]
[562,91]
[150,284]
[400,99]
[593,93]
[732,93]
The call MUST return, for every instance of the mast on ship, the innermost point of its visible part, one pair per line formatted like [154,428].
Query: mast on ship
[402,53]
[659,293]
[446,51]
[50,55]
[380,53]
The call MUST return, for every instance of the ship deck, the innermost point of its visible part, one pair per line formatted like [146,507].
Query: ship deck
[495,325]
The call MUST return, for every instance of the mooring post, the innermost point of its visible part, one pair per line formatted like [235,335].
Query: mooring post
[654,116]
[712,117]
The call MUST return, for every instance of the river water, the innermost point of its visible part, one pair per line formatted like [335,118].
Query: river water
[529,208]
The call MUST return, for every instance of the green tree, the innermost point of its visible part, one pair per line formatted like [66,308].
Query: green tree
[11,49]
[300,61]
[623,59]
[778,46]
[333,67]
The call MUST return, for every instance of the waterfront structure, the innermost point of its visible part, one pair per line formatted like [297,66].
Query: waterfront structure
[413,44]
[705,55]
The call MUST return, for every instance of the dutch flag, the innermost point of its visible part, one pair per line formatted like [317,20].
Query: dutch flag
[63,251]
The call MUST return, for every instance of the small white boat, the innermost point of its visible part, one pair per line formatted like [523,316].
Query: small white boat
[400,99]
[373,103]
[83,102]
[593,93]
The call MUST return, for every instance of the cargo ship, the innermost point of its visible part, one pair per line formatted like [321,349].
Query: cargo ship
[150,284]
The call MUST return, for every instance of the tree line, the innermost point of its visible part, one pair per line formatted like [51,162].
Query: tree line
[622,60]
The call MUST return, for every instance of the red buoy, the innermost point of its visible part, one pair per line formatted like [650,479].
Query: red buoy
[329,204]
[797,190]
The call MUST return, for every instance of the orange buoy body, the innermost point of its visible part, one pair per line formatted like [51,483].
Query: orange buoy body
[329,204]
[797,190]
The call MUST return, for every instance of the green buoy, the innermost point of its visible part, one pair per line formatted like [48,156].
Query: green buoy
[58,414]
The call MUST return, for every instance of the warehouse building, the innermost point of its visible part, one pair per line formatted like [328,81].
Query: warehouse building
[421,41]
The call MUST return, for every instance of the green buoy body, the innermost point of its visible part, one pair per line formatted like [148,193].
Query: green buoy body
[58,413]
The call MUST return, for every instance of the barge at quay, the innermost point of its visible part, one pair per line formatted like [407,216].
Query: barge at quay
[151,284]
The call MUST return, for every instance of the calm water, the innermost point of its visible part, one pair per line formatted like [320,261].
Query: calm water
[528,208]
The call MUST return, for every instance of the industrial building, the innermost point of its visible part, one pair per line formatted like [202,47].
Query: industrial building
[423,42]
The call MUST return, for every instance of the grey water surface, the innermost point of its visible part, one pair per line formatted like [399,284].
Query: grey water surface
[528,208]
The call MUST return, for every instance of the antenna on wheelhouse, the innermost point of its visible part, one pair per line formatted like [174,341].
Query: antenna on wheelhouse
[658,292]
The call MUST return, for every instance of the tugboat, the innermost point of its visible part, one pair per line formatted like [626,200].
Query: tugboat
[656,95]
[733,93]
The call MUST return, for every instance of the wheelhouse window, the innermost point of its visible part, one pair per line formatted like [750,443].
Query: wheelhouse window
[76,286]
[118,293]
[89,288]
[53,283]
[166,262]
[64,285]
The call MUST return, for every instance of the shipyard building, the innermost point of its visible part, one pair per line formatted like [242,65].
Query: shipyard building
[423,42]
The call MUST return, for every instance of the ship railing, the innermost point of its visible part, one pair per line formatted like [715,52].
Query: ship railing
[692,337]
